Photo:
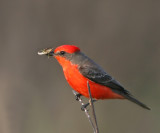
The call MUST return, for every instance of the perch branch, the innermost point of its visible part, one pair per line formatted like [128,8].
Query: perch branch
[85,110]
[93,110]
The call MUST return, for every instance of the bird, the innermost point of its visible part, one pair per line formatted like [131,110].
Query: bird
[79,69]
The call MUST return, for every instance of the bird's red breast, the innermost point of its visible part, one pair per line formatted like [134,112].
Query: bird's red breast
[79,83]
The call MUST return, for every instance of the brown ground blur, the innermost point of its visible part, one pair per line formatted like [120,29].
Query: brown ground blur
[122,36]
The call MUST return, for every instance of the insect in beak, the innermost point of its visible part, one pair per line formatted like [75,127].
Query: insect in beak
[46,51]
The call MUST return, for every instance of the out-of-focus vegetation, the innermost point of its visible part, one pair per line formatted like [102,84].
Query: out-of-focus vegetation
[122,36]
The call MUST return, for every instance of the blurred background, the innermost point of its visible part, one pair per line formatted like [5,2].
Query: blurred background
[122,36]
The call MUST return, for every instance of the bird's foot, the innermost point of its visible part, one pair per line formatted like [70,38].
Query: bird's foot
[83,107]
[86,105]
[77,96]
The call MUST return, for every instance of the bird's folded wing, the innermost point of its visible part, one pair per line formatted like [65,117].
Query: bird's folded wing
[98,75]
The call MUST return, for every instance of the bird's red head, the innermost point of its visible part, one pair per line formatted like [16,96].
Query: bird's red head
[64,53]
[67,48]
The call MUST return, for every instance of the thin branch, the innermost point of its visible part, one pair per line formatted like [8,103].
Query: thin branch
[92,106]
[85,110]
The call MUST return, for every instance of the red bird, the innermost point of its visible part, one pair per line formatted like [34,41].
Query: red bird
[78,69]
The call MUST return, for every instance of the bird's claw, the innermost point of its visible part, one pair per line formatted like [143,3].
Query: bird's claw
[83,107]
[77,96]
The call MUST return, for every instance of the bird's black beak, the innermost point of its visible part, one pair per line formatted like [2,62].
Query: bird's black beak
[46,51]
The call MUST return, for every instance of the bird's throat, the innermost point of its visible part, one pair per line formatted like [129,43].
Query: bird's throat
[64,62]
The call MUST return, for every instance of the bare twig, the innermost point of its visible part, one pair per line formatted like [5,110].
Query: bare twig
[85,110]
[94,126]
[92,106]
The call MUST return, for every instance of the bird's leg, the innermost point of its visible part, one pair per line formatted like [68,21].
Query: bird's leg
[90,101]
[86,105]
[77,96]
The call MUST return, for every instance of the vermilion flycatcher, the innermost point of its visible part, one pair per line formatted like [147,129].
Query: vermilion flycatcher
[78,69]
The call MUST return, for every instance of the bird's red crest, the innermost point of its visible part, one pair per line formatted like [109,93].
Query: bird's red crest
[67,48]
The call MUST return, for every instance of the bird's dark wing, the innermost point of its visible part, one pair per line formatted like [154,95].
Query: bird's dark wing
[96,74]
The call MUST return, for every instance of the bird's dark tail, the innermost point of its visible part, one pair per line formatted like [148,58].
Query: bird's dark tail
[132,99]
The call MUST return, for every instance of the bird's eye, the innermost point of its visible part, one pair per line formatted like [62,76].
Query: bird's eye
[62,52]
